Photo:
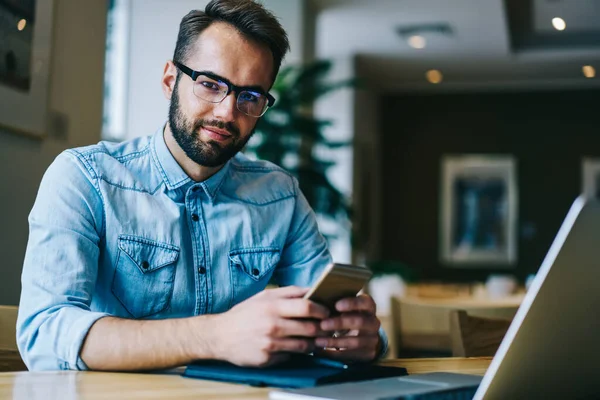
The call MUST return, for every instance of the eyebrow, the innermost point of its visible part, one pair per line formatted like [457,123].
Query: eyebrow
[252,88]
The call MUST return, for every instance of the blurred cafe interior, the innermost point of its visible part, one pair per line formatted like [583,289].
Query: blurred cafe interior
[449,137]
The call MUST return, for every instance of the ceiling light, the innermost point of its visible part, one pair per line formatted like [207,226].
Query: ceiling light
[559,24]
[415,35]
[21,24]
[417,42]
[434,76]
[588,71]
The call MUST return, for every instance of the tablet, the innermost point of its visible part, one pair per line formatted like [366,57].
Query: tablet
[338,281]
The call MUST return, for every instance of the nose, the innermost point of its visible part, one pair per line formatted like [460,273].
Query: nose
[226,109]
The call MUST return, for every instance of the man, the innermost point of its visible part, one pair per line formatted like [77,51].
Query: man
[155,252]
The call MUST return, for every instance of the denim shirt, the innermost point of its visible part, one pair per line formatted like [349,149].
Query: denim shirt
[121,230]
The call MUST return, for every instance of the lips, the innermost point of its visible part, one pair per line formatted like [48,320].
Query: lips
[216,134]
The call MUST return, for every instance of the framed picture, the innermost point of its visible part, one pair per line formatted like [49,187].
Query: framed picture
[25,41]
[478,211]
[590,177]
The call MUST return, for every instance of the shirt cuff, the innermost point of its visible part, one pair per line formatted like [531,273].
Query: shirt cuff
[77,334]
[383,349]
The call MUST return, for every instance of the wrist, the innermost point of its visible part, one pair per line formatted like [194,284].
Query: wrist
[206,334]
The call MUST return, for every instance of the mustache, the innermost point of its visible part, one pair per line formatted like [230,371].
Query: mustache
[228,126]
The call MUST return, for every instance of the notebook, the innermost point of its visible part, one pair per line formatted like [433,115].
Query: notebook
[300,371]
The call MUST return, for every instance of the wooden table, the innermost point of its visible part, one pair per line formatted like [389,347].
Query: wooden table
[71,385]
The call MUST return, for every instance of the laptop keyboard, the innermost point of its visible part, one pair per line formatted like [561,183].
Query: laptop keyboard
[464,393]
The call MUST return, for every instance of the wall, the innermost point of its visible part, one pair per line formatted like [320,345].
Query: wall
[75,103]
[367,177]
[338,107]
[147,106]
[548,132]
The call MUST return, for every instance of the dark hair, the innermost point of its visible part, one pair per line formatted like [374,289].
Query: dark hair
[248,17]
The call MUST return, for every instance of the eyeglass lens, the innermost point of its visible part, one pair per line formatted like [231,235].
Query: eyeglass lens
[251,103]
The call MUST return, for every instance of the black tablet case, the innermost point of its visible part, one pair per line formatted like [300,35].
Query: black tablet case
[298,372]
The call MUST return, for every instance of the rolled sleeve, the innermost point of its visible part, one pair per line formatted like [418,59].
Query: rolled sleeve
[60,267]
[59,337]
[81,322]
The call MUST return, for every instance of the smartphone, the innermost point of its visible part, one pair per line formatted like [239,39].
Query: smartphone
[338,281]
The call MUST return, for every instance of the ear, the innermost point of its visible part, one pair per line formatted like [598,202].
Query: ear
[168,79]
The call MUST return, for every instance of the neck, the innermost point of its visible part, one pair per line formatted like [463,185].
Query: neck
[195,171]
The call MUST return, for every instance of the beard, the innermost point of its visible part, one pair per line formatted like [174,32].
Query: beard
[187,135]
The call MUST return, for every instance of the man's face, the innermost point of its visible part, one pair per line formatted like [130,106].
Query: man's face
[211,133]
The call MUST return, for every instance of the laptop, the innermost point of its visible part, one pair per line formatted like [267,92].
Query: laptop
[549,351]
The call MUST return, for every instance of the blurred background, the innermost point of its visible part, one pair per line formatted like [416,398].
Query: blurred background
[447,139]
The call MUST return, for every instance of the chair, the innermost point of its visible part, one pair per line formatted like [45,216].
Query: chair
[10,359]
[421,327]
[474,336]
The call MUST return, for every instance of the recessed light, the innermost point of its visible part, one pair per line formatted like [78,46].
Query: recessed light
[588,71]
[21,24]
[434,76]
[559,24]
[417,42]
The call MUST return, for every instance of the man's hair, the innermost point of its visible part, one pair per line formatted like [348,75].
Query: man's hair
[251,19]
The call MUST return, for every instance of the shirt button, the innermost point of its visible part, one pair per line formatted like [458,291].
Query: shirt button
[145,264]
[202,270]
[195,188]
[195,217]
[255,271]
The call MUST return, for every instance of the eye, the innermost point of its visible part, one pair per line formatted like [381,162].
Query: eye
[209,85]
[251,97]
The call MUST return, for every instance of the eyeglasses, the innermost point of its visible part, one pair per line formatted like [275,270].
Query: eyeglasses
[252,101]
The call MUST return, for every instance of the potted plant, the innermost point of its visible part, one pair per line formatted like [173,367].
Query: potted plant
[289,133]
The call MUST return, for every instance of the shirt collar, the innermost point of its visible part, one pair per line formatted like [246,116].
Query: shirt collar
[172,173]
[174,176]
[213,184]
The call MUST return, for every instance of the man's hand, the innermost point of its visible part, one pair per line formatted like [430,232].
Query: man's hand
[268,326]
[357,318]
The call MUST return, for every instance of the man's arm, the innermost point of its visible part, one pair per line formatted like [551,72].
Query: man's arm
[115,344]
[259,331]
[304,258]
[60,267]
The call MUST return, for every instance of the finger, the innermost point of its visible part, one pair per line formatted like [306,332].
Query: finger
[287,292]
[296,327]
[301,308]
[349,342]
[363,302]
[352,332]
[349,321]
[291,345]
[276,358]
[361,355]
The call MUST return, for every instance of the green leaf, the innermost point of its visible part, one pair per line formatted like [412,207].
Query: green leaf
[289,128]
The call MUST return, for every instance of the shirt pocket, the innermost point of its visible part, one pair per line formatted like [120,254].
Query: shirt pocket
[144,275]
[251,269]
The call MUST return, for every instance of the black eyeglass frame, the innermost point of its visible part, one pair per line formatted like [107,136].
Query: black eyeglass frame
[230,86]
